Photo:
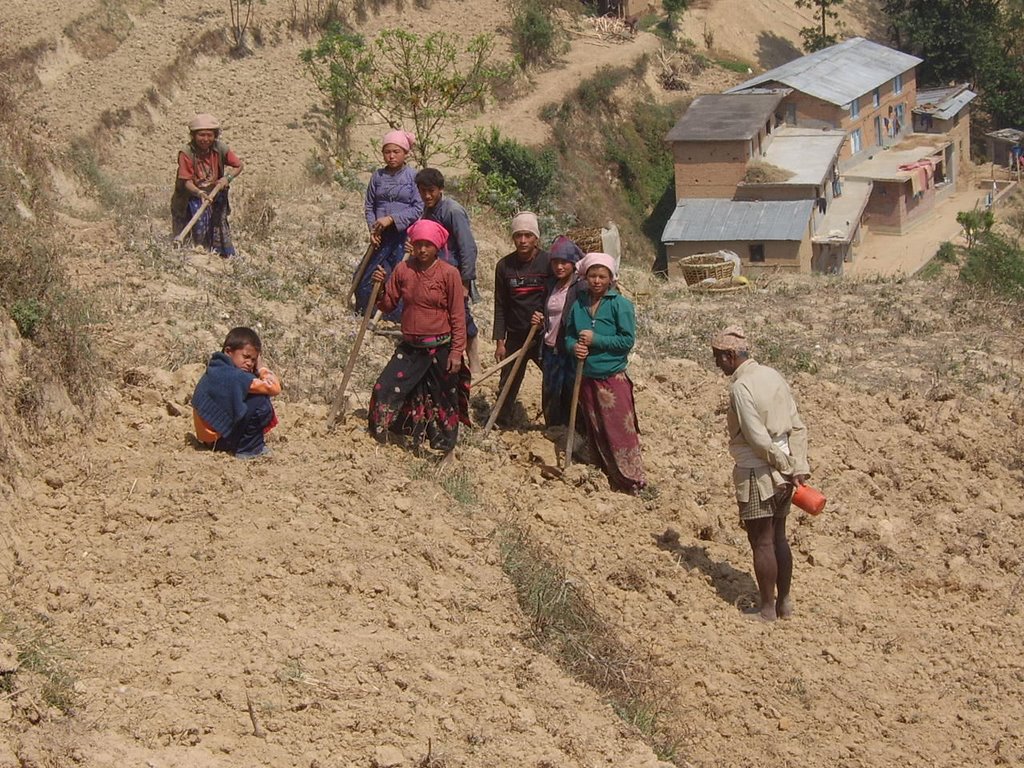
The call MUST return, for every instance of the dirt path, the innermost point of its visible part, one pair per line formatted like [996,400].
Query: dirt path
[521,119]
[891,255]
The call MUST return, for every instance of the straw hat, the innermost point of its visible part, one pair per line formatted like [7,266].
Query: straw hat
[204,122]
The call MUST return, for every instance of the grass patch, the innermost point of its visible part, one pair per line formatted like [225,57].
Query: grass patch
[41,666]
[86,165]
[459,485]
[734,65]
[566,626]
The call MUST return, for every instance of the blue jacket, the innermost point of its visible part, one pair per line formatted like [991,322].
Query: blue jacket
[219,397]
[461,248]
[394,195]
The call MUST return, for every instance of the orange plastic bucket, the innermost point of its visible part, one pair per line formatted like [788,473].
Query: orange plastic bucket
[810,500]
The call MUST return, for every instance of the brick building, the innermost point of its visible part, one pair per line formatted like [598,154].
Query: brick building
[852,140]
[858,86]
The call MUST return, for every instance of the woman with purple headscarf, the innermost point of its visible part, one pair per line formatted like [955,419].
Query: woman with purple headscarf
[557,365]
[392,204]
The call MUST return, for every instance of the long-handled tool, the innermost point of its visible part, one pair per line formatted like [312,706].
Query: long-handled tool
[339,406]
[357,276]
[508,382]
[180,237]
[570,436]
[494,369]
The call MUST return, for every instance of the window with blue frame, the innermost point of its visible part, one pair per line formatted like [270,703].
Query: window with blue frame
[854,109]
[897,84]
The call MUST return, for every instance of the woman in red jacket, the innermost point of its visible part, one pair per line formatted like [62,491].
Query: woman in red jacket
[424,389]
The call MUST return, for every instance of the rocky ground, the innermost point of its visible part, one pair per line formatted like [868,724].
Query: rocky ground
[346,604]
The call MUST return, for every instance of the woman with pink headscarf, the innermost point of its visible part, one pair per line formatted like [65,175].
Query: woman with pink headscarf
[392,204]
[600,331]
[424,389]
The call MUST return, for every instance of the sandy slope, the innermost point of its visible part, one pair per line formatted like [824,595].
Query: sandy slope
[362,607]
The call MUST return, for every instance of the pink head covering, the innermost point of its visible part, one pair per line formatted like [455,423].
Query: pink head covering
[430,231]
[402,139]
[596,260]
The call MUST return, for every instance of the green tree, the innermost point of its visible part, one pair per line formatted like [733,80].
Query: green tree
[977,41]
[817,37]
[975,222]
[406,81]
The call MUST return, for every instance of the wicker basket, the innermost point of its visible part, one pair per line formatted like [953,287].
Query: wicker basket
[701,266]
[587,238]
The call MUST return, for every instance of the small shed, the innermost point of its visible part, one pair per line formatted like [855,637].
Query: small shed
[1004,146]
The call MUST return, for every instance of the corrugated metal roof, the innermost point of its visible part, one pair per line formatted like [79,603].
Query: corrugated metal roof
[1007,134]
[726,117]
[943,103]
[840,73]
[718,220]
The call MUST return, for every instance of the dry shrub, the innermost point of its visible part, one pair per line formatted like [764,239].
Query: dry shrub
[567,626]
[99,33]
[257,213]
[760,172]
[20,66]
[57,361]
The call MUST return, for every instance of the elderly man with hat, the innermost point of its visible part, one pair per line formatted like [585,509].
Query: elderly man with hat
[519,283]
[768,443]
[203,164]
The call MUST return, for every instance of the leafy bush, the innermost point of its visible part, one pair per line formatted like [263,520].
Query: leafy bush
[513,174]
[596,91]
[946,253]
[533,34]
[637,149]
[28,314]
[975,223]
[995,263]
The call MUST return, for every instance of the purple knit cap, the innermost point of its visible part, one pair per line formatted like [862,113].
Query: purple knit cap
[565,249]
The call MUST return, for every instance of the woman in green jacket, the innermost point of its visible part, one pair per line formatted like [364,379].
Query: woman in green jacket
[600,331]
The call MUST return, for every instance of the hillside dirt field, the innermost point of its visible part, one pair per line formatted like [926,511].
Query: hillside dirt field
[344,604]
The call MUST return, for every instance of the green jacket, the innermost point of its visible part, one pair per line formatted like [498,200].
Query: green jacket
[614,328]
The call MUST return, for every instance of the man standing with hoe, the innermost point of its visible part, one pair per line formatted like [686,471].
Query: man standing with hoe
[768,442]
[519,281]
[461,250]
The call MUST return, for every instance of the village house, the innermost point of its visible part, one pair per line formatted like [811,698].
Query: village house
[857,86]
[945,111]
[831,134]
[746,184]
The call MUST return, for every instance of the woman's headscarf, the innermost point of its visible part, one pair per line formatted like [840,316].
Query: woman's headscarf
[431,231]
[596,260]
[402,139]
[565,249]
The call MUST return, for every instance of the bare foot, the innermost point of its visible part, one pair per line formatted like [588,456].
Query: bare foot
[762,616]
[784,607]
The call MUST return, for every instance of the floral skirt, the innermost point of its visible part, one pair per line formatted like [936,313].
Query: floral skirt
[212,230]
[607,407]
[416,396]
